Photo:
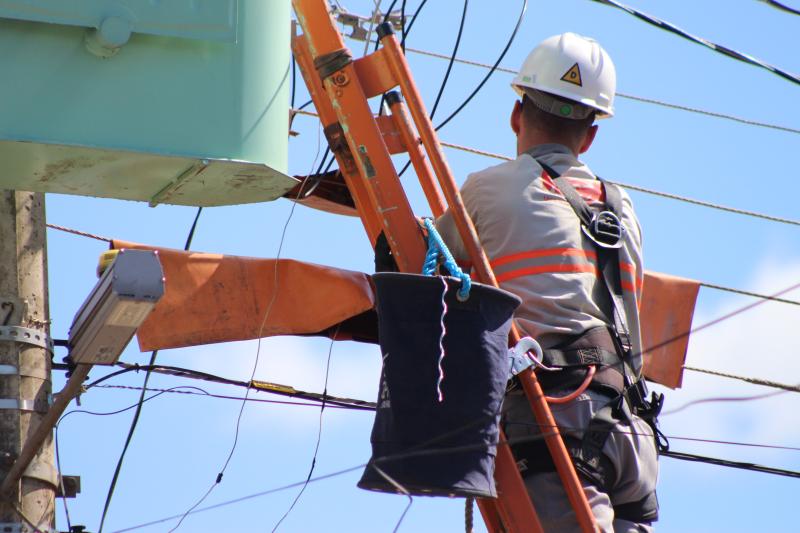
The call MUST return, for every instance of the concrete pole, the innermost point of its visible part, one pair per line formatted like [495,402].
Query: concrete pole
[24,368]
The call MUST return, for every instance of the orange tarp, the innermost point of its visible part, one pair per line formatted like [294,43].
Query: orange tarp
[666,320]
[212,298]
[218,298]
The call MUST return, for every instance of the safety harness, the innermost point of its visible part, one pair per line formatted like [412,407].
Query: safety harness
[610,350]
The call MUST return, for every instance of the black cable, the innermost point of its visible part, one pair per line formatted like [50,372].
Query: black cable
[404,31]
[319,437]
[221,472]
[446,75]
[745,58]
[280,390]
[491,71]
[452,60]
[450,450]
[782,7]
[731,464]
[485,78]
[109,413]
[135,421]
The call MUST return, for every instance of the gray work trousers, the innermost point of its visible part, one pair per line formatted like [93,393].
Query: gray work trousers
[630,448]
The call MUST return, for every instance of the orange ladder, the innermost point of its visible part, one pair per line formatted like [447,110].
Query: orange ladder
[363,143]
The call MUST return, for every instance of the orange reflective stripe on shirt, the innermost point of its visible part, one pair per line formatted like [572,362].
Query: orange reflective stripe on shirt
[535,254]
[586,263]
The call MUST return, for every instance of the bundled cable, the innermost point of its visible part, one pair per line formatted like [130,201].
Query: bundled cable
[740,56]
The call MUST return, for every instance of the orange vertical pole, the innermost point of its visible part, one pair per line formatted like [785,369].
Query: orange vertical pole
[569,477]
[415,152]
[513,508]
[327,117]
[334,64]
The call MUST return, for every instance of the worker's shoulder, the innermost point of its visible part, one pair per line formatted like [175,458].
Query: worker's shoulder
[524,165]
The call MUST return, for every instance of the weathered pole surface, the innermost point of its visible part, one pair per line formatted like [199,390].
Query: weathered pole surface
[25,384]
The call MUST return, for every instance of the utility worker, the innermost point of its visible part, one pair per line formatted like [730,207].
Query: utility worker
[574,257]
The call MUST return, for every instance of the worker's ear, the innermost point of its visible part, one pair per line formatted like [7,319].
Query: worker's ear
[516,116]
[588,139]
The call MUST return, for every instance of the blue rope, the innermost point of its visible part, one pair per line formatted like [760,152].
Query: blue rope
[437,246]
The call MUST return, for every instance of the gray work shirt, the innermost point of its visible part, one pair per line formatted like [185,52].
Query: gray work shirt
[536,247]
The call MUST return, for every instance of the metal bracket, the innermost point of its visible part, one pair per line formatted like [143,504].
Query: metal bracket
[43,472]
[72,487]
[17,404]
[26,336]
[21,527]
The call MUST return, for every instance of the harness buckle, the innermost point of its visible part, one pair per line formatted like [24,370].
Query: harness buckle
[605,230]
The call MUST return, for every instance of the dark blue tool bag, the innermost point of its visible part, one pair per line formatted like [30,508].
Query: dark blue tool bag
[432,447]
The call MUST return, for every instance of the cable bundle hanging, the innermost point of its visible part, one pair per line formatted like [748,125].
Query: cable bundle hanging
[745,58]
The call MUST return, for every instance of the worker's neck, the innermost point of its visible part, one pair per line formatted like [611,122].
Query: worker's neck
[528,139]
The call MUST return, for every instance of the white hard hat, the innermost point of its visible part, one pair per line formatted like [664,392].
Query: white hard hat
[573,67]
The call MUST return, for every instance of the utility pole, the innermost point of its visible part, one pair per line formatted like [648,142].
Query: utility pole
[25,368]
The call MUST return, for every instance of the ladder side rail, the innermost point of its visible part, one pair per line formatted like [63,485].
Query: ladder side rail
[480,263]
[334,64]
[421,165]
[327,116]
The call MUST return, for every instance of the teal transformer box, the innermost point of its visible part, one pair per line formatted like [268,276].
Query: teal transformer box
[167,101]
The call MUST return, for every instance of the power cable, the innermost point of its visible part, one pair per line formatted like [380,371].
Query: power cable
[482,82]
[93,413]
[739,56]
[445,451]
[638,188]
[752,381]
[709,204]
[77,232]
[719,399]
[731,464]
[319,436]
[491,71]
[645,190]
[137,413]
[452,59]
[628,96]
[237,398]
[275,286]
[782,7]
[258,386]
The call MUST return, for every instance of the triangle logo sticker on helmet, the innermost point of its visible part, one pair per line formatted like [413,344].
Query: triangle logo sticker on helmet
[573,75]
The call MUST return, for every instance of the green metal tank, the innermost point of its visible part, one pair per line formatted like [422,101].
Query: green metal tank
[166,101]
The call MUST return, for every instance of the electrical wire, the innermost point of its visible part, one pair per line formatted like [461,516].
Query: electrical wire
[752,381]
[137,413]
[275,286]
[731,464]
[491,71]
[719,399]
[319,436]
[782,7]
[258,386]
[237,398]
[93,413]
[452,59]
[745,58]
[628,96]
[457,449]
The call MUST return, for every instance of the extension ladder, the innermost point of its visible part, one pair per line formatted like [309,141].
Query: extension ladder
[363,143]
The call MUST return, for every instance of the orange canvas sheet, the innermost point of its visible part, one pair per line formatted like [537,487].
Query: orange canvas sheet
[212,298]
[666,319]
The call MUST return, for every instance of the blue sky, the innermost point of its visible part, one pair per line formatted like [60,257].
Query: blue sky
[182,441]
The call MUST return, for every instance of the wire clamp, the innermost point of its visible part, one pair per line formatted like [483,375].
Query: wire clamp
[22,335]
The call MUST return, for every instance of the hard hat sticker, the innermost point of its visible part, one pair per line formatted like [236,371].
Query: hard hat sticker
[573,75]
